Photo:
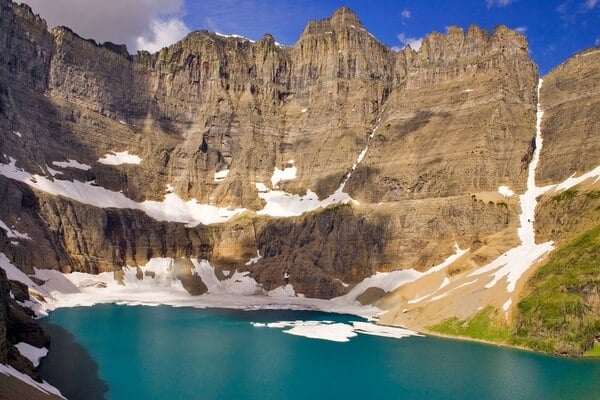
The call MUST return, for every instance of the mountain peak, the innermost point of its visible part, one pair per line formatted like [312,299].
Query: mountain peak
[345,16]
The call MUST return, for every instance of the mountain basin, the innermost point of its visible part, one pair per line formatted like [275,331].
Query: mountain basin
[138,352]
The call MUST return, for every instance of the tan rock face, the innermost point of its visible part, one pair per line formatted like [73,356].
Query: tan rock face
[445,126]
[571,124]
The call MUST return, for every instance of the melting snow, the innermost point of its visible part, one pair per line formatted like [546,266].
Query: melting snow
[513,264]
[13,233]
[282,204]
[172,208]
[221,175]
[118,158]
[70,164]
[32,353]
[390,281]
[239,283]
[44,387]
[13,273]
[505,191]
[286,174]
[256,259]
[284,291]
[234,36]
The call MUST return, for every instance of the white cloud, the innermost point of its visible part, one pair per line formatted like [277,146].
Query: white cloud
[414,43]
[589,4]
[598,41]
[405,14]
[163,34]
[498,3]
[521,29]
[136,23]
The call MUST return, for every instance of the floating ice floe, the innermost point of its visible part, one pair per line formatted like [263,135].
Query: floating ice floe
[118,158]
[70,163]
[336,331]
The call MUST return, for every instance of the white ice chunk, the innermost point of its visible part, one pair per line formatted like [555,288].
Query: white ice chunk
[118,158]
[324,330]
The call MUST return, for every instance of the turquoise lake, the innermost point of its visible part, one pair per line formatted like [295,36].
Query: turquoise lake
[122,352]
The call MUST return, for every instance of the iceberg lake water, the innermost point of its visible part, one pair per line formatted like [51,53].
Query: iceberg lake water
[124,352]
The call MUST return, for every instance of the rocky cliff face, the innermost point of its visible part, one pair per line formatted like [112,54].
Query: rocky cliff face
[571,100]
[420,140]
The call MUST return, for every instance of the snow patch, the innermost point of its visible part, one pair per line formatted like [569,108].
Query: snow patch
[390,281]
[513,264]
[221,175]
[505,191]
[284,291]
[13,273]
[254,260]
[280,175]
[118,158]
[13,233]
[283,204]
[239,283]
[17,133]
[44,386]
[32,353]
[234,36]
[172,208]
[70,163]
[53,172]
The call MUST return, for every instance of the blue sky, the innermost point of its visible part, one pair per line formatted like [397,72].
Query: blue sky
[556,29]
